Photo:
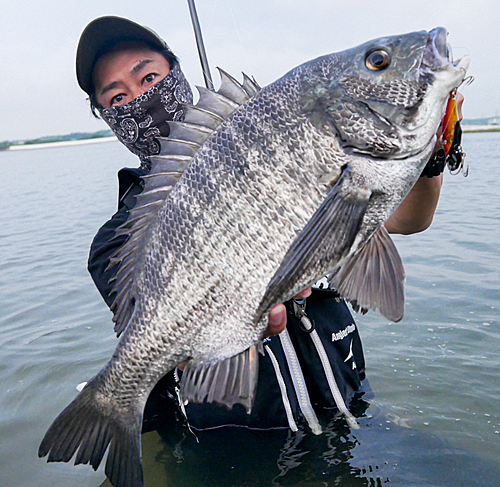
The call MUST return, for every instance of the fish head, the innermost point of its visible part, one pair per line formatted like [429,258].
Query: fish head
[386,97]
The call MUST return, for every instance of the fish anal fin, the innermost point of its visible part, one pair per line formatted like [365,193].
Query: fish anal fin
[228,382]
[325,239]
[374,278]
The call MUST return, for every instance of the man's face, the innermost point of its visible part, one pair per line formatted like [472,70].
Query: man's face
[123,74]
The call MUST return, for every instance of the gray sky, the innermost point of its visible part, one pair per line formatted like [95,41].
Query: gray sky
[265,39]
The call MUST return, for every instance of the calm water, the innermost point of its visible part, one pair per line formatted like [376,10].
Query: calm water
[434,418]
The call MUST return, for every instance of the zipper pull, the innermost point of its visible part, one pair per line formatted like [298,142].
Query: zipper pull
[299,309]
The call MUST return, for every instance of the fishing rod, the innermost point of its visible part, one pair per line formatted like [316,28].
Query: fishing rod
[201,47]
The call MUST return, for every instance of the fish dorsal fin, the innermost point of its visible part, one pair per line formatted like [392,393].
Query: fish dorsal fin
[250,85]
[231,89]
[176,152]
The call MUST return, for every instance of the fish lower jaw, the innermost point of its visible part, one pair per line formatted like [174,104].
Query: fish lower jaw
[450,77]
[416,157]
[463,63]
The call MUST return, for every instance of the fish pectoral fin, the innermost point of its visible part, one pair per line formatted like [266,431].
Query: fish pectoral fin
[87,427]
[227,383]
[374,278]
[327,237]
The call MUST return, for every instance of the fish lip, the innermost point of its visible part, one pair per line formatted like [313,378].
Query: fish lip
[463,63]
[438,54]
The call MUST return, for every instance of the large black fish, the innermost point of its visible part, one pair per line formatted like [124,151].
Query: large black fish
[256,195]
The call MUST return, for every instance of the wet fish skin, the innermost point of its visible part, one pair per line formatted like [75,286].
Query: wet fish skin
[292,186]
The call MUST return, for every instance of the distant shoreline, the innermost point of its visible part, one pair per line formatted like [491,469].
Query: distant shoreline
[63,143]
[99,140]
[480,128]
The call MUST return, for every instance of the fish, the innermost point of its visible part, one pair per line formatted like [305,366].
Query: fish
[256,195]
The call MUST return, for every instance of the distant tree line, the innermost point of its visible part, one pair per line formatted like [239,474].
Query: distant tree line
[58,138]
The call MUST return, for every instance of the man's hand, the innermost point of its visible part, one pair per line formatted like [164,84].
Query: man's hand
[277,315]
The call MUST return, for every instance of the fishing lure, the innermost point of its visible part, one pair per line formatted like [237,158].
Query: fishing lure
[451,153]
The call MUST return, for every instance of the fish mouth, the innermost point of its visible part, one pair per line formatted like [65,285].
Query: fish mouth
[439,69]
[438,54]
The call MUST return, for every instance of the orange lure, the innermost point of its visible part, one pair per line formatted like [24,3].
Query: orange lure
[449,121]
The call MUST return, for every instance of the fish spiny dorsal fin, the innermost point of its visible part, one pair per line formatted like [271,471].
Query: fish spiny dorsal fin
[250,85]
[176,152]
[233,90]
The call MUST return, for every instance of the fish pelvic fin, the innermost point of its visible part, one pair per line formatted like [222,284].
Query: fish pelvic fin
[374,278]
[167,168]
[326,238]
[229,382]
[87,427]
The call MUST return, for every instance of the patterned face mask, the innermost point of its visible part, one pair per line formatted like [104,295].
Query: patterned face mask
[138,123]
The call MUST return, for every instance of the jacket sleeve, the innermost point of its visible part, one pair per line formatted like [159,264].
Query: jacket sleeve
[103,246]
[105,243]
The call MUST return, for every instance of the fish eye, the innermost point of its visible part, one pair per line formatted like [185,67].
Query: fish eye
[377,60]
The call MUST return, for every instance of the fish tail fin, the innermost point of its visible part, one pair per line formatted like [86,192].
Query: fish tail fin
[87,427]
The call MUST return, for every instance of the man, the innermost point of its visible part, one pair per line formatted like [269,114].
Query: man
[136,85]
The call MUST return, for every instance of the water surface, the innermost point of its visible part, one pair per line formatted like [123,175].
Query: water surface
[434,418]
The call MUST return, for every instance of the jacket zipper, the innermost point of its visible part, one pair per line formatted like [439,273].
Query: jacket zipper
[299,306]
[299,383]
[284,395]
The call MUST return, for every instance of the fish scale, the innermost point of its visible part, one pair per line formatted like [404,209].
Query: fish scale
[286,184]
